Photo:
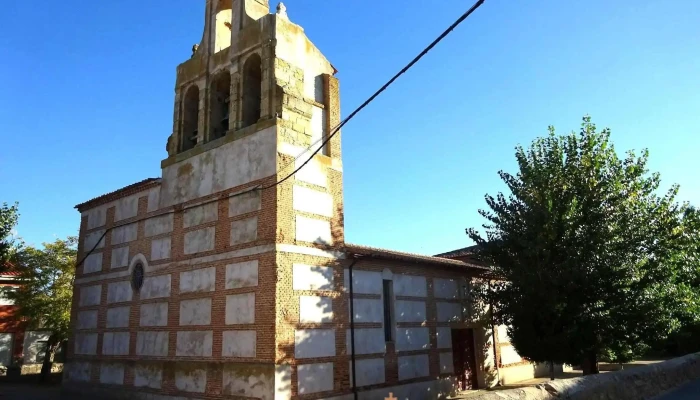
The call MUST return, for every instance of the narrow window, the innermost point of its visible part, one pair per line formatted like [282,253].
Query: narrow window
[219,114]
[388,332]
[190,119]
[252,86]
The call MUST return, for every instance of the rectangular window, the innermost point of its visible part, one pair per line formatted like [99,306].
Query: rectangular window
[387,294]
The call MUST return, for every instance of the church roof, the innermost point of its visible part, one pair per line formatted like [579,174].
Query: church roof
[408,257]
[125,191]
[464,251]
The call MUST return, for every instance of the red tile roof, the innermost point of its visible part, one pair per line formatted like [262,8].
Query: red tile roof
[9,270]
[409,257]
[125,191]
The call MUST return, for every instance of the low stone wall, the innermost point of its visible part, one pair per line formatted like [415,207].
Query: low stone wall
[633,384]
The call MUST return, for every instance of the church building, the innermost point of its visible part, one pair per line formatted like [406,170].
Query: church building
[229,276]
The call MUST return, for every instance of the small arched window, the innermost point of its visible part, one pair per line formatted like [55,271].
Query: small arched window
[252,86]
[219,103]
[190,118]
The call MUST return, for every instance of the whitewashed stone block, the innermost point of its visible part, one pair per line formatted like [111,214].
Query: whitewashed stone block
[85,343]
[446,288]
[240,309]
[367,310]
[313,343]
[364,282]
[314,378]
[195,312]
[308,277]
[315,309]
[124,234]
[244,231]
[154,314]
[120,257]
[158,225]
[198,280]
[200,215]
[313,230]
[91,240]
[409,339]
[446,363]
[160,248]
[90,296]
[240,275]
[244,203]
[118,317]
[155,287]
[153,344]
[312,201]
[191,380]
[200,240]
[112,374]
[194,344]
[448,312]
[87,320]
[410,311]
[115,343]
[148,375]
[411,367]
[367,341]
[444,337]
[118,292]
[410,285]
[239,344]
[93,263]
[369,371]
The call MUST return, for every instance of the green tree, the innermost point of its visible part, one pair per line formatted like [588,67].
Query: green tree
[9,215]
[590,255]
[46,291]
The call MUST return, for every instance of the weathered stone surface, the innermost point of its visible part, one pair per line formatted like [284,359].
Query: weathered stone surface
[200,215]
[242,275]
[87,320]
[200,240]
[120,257]
[408,339]
[369,371]
[411,367]
[244,203]
[239,344]
[191,379]
[126,207]
[90,295]
[152,344]
[315,309]
[446,288]
[195,312]
[313,378]
[444,337]
[85,343]
[364,282]
[313,172]
[410,311]
[449,312]
[158,225]
[368,310]
[115,343]
[198,280]
[118,317]
[96,217]
[160,248]
[240,309]
[112,374]
[308,277]
[410,285]
[367,341]
[244,231]
[123,234]
[313,230]
[93,263]
[78,371]
[194,344]
[154,314]
[156,287]
[446,363]
[312,343]
[118,292]
[249,380]
[148,375]
[91,240]
[312,201]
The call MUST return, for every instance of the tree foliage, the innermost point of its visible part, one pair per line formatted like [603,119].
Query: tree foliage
[46,291]
[9,215]
[595,263]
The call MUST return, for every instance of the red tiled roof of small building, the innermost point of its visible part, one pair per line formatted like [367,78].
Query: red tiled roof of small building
[125,191]
[410,257]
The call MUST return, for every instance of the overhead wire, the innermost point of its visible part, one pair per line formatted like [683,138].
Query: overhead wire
[334,131]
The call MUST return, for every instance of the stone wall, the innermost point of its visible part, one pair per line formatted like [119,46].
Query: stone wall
[636,383]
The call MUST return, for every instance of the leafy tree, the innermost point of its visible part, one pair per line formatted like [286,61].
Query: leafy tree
[9,216]
[46,291]
[593,262]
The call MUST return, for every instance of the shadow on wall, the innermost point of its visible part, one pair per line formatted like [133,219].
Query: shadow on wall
[315,335]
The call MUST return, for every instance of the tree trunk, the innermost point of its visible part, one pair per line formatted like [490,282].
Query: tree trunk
[51,347]
[551,370]
[590,363]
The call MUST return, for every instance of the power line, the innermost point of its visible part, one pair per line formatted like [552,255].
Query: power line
[352,115]
[386,85]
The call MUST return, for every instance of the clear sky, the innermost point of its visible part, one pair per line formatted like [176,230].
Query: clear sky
[86,102]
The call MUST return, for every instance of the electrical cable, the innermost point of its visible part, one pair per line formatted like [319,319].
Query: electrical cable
[335,130]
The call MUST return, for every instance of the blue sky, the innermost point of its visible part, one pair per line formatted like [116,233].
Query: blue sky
[87,97]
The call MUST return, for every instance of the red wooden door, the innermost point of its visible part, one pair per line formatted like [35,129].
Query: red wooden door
[464,357]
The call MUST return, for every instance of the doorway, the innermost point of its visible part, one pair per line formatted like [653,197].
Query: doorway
[464,357]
